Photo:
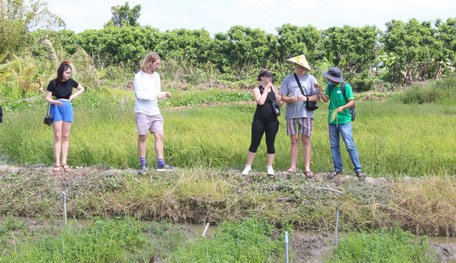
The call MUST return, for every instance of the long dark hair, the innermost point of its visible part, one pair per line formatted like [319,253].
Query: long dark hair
[63,67]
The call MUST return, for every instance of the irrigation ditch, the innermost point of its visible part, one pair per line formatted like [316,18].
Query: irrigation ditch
[192,197]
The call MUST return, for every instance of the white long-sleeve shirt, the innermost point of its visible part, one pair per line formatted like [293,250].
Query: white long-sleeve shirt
[147,87]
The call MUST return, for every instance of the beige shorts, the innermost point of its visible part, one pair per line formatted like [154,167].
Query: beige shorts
[146,124]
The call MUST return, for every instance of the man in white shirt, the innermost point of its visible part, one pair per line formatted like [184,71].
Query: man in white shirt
[148,116]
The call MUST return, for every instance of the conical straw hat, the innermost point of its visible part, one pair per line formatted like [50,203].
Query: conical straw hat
[300,60]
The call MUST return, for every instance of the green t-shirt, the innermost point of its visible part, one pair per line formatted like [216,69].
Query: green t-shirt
[336,100]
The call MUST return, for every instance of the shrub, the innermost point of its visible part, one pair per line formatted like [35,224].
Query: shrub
[420,95]
[381,246]
[246,241]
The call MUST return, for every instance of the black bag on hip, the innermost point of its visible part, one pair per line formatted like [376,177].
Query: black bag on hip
[48,118]
[311,105]
[275,107]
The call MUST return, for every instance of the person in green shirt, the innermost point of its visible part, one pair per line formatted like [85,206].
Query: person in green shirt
[339,120]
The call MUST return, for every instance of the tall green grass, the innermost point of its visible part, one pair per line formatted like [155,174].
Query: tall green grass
[382,246]
[244,241]
[115,240]
[129,240]
[442,91]
[392,138]
[104,241]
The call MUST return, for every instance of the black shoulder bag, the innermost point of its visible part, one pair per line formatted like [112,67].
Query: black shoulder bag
[1,114]
[48,118]
[310,105]
[275,107]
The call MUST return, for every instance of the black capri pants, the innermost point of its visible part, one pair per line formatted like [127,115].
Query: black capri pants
[259,127]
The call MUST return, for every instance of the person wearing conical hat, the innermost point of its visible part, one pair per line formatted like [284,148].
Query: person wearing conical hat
[299,120]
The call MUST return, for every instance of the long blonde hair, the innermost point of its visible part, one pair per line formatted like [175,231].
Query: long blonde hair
[150,58]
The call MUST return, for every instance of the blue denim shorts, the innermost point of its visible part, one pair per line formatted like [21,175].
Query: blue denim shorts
[62,113]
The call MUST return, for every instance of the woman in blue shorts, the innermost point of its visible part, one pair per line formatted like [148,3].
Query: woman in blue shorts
[59,95]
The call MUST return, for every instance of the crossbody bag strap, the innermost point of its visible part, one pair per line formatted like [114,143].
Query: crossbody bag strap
[261,87]
[299,84]
[49,104]
[272,89]
[342,88]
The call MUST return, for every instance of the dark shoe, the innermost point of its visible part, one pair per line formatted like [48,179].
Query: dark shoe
[334,174]
[291,171]
[309,174]
[361,176]
[165,168]
[142,170]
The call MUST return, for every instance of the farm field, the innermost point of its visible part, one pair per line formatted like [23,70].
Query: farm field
[402,74]
[406,150]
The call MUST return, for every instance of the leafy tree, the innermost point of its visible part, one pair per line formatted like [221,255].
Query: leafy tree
[123,15]
[240,49]
[353,49]
[124,46]
[415,50]
[18,17]
[185,45]
[445,33]
[294,41]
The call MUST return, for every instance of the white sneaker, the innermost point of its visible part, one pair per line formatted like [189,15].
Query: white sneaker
[270,170]
[246,170]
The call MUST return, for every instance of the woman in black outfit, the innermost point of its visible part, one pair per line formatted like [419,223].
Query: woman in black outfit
[264,121]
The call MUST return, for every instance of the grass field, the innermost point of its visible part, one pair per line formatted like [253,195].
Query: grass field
[393,138]
[406,148]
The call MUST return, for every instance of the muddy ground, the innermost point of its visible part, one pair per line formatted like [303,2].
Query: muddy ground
[306,246]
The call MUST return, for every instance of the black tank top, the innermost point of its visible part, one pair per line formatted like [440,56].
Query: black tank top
[265,111]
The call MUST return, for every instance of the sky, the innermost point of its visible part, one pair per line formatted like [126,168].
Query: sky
[219,16]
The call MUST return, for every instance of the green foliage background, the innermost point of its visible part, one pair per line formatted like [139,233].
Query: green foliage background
[370,59]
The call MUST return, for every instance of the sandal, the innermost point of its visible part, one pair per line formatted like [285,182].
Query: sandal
[56,170]
[65,168]
[309,174]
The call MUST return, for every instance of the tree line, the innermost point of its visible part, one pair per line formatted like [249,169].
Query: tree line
[405,52]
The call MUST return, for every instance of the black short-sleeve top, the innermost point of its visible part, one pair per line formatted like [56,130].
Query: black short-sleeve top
[62,90]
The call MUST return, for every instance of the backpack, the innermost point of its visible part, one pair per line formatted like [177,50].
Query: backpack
[352,109]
